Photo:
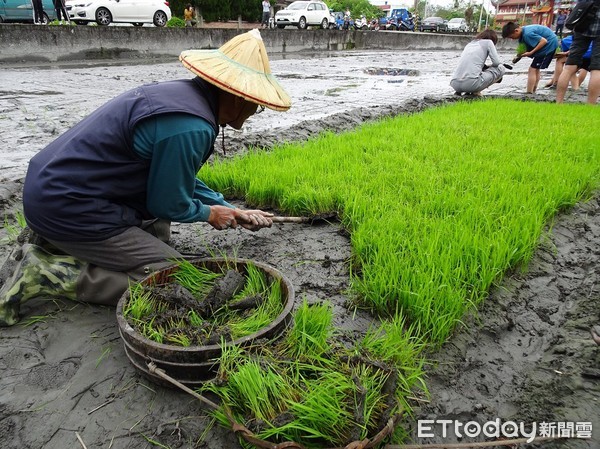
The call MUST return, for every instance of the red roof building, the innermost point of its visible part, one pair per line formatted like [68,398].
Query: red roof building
[525,12]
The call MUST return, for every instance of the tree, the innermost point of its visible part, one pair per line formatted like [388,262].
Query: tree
[356,7]
[215,10]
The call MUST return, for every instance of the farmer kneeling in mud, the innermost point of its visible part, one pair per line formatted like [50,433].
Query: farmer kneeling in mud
[102,196]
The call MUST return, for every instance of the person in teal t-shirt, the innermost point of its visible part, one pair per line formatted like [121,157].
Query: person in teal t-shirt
[541,43]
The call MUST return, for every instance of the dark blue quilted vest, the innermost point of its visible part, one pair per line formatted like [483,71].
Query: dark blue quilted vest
[88,184]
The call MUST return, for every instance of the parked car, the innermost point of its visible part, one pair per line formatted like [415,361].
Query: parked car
[304,14]
[105,12]
[433,24]
[22,11]
[458,25]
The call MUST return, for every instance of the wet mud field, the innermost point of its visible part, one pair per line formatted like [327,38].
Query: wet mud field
[65,380]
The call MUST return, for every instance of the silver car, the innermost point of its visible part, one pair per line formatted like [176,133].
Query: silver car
[458,25]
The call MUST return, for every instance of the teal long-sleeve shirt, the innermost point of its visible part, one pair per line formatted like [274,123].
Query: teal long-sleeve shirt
[177,145]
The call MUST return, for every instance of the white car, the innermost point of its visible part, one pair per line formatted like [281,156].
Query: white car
[458,25]
[105,12]
[303,14]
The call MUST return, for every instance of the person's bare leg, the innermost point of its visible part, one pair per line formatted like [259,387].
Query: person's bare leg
[563,82]
[560,65]
[575,81]
[594,87]
[581,75]
[558,68]
[533,78]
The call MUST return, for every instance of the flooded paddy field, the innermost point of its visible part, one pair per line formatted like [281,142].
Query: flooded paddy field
[527,357]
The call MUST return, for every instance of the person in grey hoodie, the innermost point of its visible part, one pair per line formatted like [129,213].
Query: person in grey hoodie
[472,75]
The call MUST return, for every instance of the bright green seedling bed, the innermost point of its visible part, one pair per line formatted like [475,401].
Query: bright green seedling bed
[439,205]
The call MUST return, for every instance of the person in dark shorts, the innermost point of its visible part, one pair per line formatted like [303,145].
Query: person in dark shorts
[541,43]
[581,42]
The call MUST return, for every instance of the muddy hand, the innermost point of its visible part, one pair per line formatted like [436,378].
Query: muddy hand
[254,220]
[222,217]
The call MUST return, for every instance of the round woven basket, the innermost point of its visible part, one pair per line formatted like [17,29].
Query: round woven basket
[193,365]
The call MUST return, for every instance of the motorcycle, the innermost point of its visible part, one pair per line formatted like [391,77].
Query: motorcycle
[402,20]
[406,25]
[373,25]
[361,24]
[394,24]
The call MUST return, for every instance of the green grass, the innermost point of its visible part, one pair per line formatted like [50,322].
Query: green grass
[440,206]
[13,229]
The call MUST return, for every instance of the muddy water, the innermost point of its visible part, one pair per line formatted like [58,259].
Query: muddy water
[36,105]
[527,357]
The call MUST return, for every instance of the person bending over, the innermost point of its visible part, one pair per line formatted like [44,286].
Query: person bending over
[541,43]
[102,196]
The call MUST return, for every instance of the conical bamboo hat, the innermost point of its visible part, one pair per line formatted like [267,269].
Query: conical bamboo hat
[241,67]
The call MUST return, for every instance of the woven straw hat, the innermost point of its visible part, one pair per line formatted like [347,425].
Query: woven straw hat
[241,67]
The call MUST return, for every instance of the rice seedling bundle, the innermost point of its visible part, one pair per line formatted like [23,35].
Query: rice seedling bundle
[184,312]
[329,396]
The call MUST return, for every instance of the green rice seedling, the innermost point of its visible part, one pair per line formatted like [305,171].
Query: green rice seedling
[139,304]
[14,229]
[198,280]
[401,346]
[256,283]
[105,352]
[148,330]
[195,319]
[179,338]
[373,405]
[260,317]
[308,337]
[322,414]
[258,391]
